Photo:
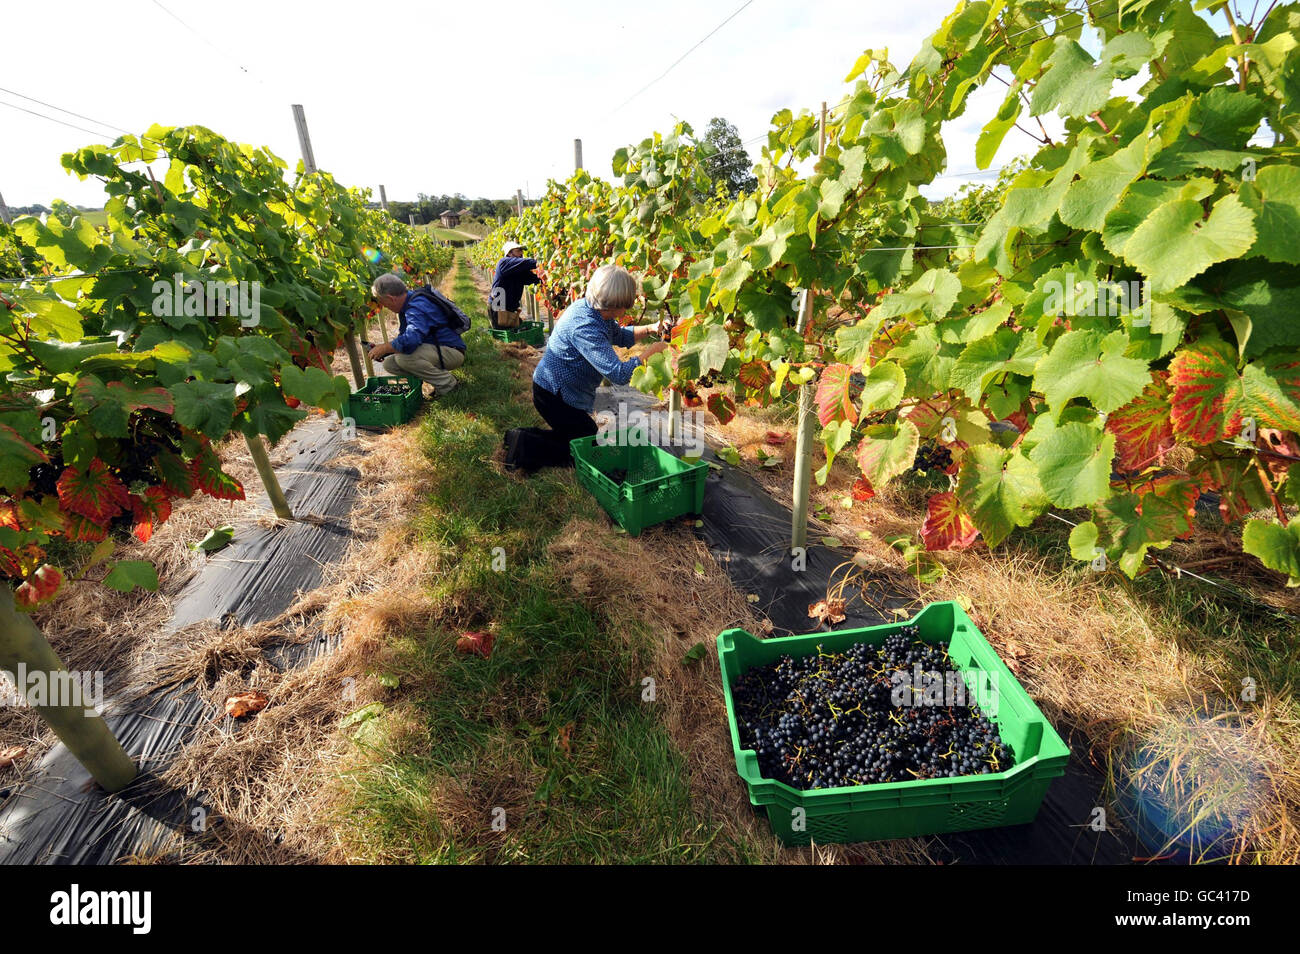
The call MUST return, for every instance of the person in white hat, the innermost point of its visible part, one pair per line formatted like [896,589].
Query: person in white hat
[513,272]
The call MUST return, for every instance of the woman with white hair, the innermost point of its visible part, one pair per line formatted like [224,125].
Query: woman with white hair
[579,353]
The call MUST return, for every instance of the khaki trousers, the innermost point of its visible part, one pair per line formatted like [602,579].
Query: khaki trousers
[424,364]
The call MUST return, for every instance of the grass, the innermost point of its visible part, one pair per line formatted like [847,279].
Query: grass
[449,235]
[549,736]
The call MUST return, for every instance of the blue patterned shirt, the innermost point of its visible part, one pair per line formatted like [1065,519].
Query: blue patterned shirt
[580,352]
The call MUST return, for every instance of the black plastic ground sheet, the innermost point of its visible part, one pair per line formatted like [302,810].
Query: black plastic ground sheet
[60,816]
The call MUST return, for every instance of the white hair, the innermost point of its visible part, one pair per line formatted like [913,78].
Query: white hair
[611,288]
[388,285]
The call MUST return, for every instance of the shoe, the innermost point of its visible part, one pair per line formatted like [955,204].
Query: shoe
[510,441]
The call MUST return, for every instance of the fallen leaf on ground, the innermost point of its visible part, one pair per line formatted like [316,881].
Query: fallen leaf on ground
[827,611]
[10,755]
[245,704]
[478,644]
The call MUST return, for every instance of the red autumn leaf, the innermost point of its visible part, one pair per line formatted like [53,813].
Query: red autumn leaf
[9,515]
[77,527]
[245,704]
[1144,434]
[862,489]
[1173,495]
[212,480]
[775,439]
[947,526]
[39,588]
[722,407]
[291,401]
[150,511]
[478,644]
[755,375]
[94,493]
[834,395]
[1211,398]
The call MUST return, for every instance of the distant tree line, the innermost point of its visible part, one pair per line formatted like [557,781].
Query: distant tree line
[427,208]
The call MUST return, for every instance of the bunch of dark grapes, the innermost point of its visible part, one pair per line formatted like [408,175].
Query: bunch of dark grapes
[932,456]
[858,717]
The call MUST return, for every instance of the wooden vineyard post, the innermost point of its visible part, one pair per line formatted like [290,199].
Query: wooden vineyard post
[5,217]
[365,332]
[577,155]
[309,164]
[257,448]
[354,358]
[805,416]
[383,197]
[24,649]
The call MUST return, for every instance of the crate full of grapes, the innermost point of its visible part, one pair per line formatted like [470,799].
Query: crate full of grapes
[910,728]
[385,401]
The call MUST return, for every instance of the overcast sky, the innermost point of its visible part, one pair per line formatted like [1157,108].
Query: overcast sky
[480,98]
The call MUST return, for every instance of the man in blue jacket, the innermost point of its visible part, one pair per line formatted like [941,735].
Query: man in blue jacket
[513,272]
[425,346]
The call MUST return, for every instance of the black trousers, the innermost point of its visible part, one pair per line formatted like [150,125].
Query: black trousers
[535,447]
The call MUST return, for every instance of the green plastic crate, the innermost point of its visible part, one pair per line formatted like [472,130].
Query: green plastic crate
[904,809]
[658,486]
[529,332]
[385,410]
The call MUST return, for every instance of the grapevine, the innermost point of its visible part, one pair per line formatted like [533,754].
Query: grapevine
[1129,289]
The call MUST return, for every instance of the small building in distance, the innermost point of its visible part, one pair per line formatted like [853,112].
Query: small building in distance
[449,219]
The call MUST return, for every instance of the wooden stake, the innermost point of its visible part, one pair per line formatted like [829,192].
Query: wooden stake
[805,418]
[350,339]
[270,483]
[23,648]
[383,198]
[365,352]
[354,358]
[304,138]
[577,155]
[5,217]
